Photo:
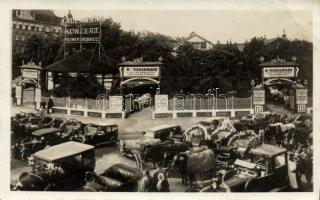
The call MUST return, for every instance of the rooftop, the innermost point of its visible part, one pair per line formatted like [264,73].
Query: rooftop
[82,62]
[63,150]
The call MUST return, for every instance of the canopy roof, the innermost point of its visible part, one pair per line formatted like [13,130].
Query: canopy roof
[63,150]
[268,150]
[82,62]
[279,64]
[31,65]
[133,63]
[45,131]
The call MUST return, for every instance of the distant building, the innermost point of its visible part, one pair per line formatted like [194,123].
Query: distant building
[199,42]
[26,23]
[275,40]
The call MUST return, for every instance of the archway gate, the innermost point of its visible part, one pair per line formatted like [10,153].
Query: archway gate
[280,72]
[30,76]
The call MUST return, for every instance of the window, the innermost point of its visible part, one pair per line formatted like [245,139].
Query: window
[22,37]
[22,49]
[203,45]
[20,26]
[17,49]
[29,28]
[26,27]
[17,37]
[23,26]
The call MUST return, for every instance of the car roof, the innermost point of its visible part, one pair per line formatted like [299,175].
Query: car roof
[268,150]
[45,131]
[163,126]
[98,124]
[63,150]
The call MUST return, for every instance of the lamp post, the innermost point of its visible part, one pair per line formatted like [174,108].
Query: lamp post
[216,96]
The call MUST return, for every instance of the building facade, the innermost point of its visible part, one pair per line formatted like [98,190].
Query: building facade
[26,23]
[199,42]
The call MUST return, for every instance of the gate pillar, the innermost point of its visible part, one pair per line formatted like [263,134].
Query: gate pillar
[301,99]
[19,94]
[258,99]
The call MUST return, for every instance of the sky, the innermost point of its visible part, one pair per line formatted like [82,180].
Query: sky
[237,26]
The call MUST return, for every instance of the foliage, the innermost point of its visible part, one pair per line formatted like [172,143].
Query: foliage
[81,86]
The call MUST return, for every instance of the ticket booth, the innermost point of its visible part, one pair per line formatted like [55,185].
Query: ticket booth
[27,88]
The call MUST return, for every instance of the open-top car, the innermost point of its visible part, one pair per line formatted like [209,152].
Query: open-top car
[58,168]
[264,170]
[117,178]
[95,134]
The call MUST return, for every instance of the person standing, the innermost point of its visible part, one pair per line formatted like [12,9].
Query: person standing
[162,184]
[50,105]
[292,173]
[147,184]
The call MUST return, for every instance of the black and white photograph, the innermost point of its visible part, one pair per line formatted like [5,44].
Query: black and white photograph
[161,100]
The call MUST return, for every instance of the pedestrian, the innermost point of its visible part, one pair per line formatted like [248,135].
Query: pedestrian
[50,105]
[162,184]
[42,107]
[147,184]
[292,173]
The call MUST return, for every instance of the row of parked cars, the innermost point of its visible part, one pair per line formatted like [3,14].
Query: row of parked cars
[31,133]
[246,163]
[62,155]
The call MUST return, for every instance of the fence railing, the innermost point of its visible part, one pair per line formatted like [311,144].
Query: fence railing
[209,103]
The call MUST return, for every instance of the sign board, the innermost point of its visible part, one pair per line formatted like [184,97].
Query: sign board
[258,97]
[30,73]
[150,72]
[116,103]
[82,32]
[301,96]
[161,102]
[280,72]
[37,97]
[18,91]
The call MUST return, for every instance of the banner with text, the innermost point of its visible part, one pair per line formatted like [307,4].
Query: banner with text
[116,103]
[280,72]
[161,102]
[150,72]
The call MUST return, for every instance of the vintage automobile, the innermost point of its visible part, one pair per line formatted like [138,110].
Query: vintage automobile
[152,136]
[95,134]
[117,178]
[58,168]
[264,170]
[71,126]
[164,132]
[40,139]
